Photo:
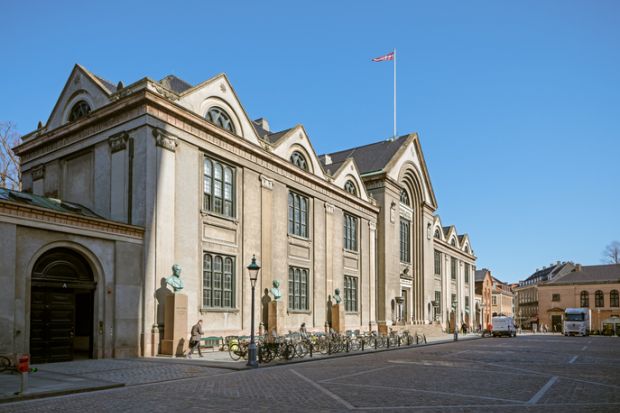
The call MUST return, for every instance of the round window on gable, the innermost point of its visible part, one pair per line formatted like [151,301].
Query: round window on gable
[218,117]
[299,161]
[79,110]
[350,187]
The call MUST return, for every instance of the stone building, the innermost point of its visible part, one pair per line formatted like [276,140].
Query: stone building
[590,286]
[502,298]
[484,287]
[179,174]
[526,293]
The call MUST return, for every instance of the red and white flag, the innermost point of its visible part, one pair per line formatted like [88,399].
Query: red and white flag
[389,56]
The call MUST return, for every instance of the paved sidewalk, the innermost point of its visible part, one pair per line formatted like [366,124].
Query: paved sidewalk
[89,375]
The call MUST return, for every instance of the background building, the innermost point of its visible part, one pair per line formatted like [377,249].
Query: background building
[501,298]
[484,287]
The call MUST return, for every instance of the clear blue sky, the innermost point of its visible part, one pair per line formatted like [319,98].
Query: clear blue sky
[517,103]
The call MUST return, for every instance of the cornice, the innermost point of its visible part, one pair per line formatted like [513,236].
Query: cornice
[33,213]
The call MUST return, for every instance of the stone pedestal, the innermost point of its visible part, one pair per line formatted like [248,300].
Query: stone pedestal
[338,318]
[276,317]
[382,329]
[175,340]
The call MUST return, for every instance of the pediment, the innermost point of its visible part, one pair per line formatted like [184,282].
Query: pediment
[296,139]
[410,156]
[348,171]
[218,91]
[81,85]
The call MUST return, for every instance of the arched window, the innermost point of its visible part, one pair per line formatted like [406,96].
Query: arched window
[599,301]
[437,234]
[350,187]
[453,242]
[613,298]
[584,299]
[404,197]
[218,117]
[299,161]
[79,110]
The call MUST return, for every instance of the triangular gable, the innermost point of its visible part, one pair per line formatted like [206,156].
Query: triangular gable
[452,234]
[218,91]
[466,243]
[437,228]
[81,85]
[348,171]
[296,139]
[411,153]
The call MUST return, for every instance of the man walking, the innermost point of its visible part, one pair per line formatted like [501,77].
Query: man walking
[194,341]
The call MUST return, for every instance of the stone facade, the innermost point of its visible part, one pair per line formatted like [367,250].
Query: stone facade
[484,288]
[211,188]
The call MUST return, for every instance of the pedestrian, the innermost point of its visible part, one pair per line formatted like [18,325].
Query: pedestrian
[194,341]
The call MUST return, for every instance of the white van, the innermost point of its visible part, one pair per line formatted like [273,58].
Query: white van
[503,326]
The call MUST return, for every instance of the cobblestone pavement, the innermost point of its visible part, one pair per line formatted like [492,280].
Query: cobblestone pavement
[528,373]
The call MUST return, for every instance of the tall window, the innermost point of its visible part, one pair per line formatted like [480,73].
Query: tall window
[350,232]
[453,300]
[350,187]
[437,262]
[584,299]
[494,300]
[350,293]
[404,198]
[219,184]
[613,298]
[297,288]
[598,299]
[218,117]
[437,304]
[79,110]
[555,297]
[218,280]
[299,160]
[466,302]
[453,268]
[405,231]
[466,273]
[297,215]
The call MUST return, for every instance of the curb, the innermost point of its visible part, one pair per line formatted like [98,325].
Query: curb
[54,393]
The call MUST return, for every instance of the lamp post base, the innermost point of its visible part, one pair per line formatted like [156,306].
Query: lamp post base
[252,356]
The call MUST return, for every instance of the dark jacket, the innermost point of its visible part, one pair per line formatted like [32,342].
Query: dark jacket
[196,332]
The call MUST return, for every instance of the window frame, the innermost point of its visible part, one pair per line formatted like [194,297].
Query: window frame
[556,297]
[351,290]
[227,187]
[351,231]
[584,299]
[437,263]
[298,159]
[79,105]
[453,268]
[614,298]
[350,187]
[217,291]
[221,114]
[298,208]
[599,299]
[298,289]
[405,241]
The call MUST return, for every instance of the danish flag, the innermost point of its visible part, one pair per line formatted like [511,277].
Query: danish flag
[389,56]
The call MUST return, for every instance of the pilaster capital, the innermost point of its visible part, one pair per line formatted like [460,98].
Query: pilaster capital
[372,225]
[165,140]
[266,182]
[118,141]
[38,172]
[329,208]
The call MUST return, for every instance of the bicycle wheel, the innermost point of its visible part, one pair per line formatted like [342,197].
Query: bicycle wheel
[234,351]
[5,363]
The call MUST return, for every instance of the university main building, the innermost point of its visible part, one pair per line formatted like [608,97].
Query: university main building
[122,182]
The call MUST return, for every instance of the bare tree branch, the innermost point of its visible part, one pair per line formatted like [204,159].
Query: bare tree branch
[611,255]
[10,172]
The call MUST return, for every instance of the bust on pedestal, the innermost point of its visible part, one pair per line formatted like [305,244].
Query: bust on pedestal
[338,313]
[276,312]
[175,317]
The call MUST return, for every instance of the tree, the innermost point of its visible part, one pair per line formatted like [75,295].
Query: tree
[611,255]
[10,173]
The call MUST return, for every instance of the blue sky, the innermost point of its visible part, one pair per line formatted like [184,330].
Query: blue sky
[517,104]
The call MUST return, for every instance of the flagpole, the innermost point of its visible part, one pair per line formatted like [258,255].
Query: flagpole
[394,93]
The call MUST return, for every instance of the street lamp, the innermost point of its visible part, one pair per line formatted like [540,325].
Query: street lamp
[253,270]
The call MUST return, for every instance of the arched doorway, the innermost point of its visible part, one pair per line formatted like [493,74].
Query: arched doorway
[61,307]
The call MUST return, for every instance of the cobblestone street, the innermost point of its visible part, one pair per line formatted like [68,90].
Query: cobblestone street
[530,373]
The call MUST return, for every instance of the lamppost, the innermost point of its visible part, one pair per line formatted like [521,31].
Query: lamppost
[253,270]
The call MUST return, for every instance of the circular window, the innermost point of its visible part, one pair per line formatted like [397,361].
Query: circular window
[299,161]
[218,117]
[79,110]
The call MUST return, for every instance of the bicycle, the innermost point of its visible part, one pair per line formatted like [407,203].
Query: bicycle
[6,364]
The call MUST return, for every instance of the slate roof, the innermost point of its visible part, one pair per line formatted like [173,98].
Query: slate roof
[479,275]
[175,84]
[590,274]
[44,202]
[368,158]
[108,85]
[446,230]
[274,137]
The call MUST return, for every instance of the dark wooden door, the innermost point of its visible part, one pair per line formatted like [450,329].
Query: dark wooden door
[52,324]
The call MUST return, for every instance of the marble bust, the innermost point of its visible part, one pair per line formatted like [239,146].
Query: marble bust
[337,297]
[275,290]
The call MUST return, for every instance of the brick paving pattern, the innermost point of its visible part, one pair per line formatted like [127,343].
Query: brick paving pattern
[525,374]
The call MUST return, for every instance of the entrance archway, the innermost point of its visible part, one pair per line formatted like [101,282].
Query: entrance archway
[61,307]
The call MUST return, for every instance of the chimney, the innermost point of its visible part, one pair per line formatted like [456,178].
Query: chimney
[578,267]
[328,159]
[263,123]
